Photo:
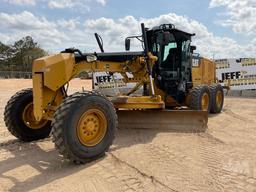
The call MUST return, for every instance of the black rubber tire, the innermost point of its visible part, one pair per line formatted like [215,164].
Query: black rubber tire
[196,97]
[66,119]
[214,107]
[13,118]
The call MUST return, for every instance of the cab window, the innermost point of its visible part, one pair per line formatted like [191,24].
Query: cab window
[167,48]
[185,51]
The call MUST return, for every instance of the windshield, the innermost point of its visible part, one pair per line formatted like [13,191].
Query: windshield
[168,48]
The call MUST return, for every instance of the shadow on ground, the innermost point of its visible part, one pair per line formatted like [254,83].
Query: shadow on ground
[47,165]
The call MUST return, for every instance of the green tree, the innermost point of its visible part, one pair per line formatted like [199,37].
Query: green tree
[20,55]
[4,55]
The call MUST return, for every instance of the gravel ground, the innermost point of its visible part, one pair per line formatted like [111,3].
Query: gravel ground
[221,159]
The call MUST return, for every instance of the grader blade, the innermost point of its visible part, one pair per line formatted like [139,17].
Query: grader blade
[175,120]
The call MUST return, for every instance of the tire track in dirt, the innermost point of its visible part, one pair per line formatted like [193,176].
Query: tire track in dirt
[237,116]
[223,179]
[126,178]
[152,178]
[197,167]
[174,168]
[182,165]
[211,138]
[234,129]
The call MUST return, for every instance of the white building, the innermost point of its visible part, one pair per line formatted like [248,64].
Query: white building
[239,73]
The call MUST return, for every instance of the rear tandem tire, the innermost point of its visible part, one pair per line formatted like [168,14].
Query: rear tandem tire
[200,98]
[84,126]
[217,97]
[19,118]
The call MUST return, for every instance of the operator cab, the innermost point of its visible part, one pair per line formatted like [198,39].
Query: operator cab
[173,71]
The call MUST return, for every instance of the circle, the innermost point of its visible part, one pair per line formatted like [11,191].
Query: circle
[29,118]
[92,127]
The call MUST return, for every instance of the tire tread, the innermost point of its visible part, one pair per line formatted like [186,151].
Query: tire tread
[57,131]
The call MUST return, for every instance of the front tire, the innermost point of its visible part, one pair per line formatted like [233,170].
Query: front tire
[84,126]
[20,121]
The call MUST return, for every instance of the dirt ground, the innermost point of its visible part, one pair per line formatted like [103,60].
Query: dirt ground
[221,159]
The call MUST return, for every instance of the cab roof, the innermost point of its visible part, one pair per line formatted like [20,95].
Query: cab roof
[170,27]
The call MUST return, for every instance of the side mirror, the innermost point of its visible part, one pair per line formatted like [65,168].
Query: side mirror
[192,48]
[127,44]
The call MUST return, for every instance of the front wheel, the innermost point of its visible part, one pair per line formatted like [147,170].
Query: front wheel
[20,121]
[84,126]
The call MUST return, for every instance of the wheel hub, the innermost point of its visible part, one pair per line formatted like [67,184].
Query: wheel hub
[29,118]
[92,127]
[205,102]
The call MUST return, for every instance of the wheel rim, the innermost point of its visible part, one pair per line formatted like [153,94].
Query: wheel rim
[92,127]
[219,98]
[30,120]
[205,102]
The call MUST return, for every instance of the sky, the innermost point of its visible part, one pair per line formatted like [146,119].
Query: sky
[223,28]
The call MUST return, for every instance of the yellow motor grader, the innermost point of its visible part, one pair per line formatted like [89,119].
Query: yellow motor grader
[179,90]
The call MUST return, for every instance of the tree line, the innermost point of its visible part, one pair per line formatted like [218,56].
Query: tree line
[20,55]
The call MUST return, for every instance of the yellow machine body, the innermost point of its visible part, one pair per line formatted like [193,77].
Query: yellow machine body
[204,73]
[168,87]
[52,73]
